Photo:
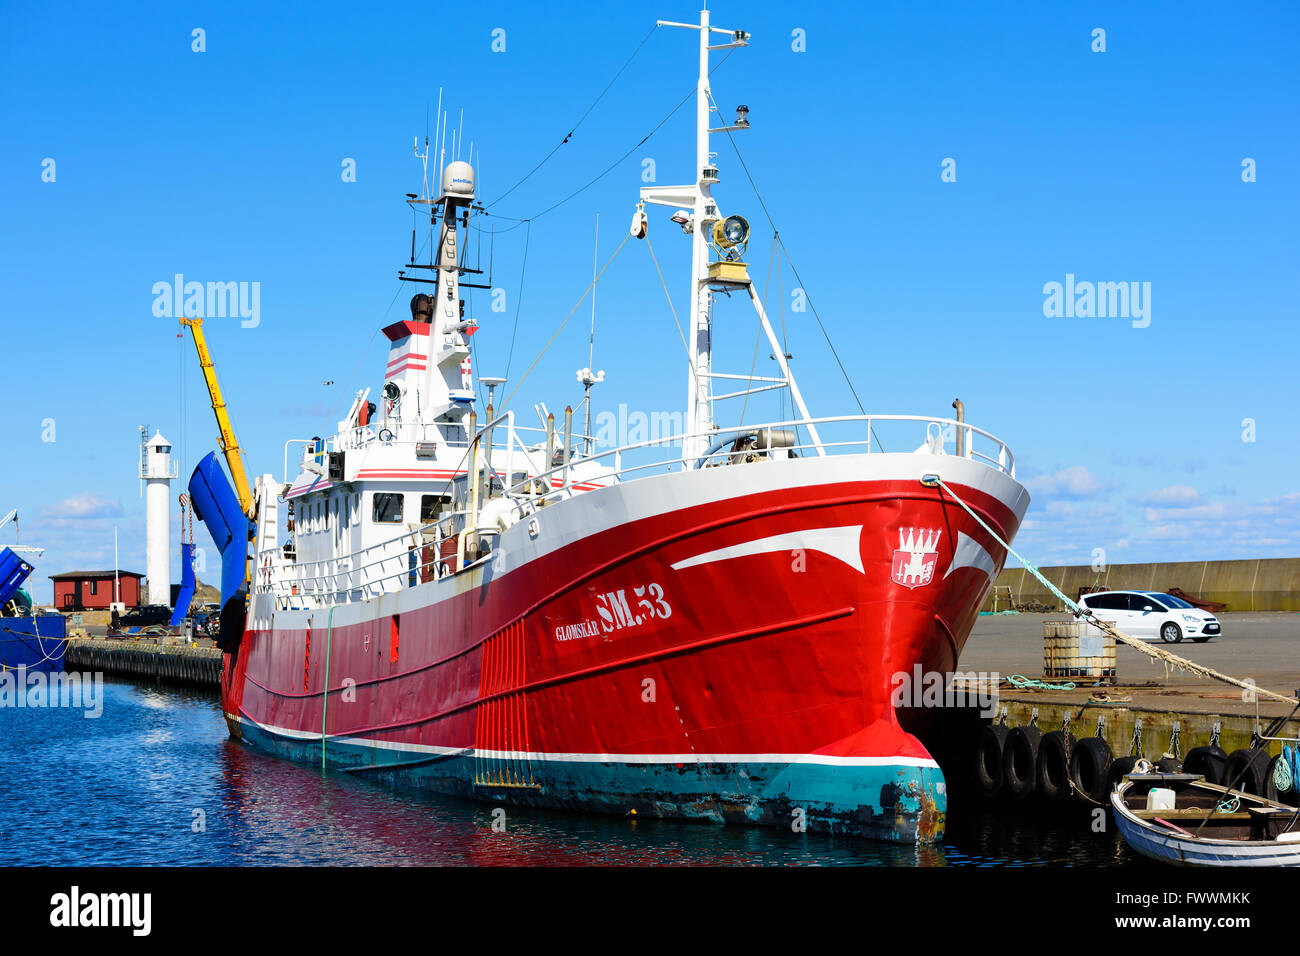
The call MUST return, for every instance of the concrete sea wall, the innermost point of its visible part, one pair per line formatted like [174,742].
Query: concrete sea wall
[1258,584]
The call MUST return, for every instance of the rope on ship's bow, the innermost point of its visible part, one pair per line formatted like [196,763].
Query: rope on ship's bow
[1157,653]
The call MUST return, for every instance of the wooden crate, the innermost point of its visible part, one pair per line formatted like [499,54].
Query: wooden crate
[1077,651]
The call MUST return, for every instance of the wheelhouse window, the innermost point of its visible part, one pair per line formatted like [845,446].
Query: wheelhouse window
[388,508]
[431,507]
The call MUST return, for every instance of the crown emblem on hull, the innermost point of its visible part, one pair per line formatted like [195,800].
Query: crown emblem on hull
[916,557]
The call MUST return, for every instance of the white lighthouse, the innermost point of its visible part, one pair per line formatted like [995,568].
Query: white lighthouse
[157,472]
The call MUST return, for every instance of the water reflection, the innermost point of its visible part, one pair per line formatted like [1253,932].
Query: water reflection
[284,812]
[155,780]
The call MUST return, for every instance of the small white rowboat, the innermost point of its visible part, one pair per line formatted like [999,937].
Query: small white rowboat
[1207,825]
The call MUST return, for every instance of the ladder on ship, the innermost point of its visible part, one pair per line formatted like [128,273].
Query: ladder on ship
[501,750]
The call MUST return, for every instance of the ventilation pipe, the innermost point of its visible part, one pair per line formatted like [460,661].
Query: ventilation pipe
[961,432]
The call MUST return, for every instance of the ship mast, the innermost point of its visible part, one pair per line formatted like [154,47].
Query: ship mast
[705,276]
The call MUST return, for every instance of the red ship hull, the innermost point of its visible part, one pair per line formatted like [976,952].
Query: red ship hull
[659,646]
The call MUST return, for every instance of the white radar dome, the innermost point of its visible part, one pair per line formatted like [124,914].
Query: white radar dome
[458,179]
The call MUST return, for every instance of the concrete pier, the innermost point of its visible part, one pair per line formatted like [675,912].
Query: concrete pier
[1263,647]
[173,663]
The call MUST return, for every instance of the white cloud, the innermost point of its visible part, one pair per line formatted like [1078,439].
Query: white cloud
[1073,482]
[85,506]
[1212,509]
[1174,496]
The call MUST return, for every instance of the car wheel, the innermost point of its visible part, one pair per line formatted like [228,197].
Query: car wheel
[1171,633]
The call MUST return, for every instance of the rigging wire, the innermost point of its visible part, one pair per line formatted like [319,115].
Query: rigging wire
[582,118]
[753,185]
[506,400]
[519,298]
[366,351]
[753,364]
[689,364]
[614,165]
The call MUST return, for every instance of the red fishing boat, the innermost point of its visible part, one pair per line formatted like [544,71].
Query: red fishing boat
[706,624]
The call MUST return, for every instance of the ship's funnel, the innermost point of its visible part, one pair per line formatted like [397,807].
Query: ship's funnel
[458,180]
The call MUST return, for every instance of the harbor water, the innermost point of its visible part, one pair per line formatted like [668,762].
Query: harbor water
[155,780]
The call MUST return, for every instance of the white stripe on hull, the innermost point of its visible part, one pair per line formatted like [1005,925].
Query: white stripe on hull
[822,759]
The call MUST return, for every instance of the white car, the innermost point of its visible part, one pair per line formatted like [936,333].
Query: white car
[1149,615]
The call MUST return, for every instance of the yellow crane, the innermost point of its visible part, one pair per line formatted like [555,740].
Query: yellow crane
[229,444]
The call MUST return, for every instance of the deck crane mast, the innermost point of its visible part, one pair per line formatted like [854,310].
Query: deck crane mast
[229,443]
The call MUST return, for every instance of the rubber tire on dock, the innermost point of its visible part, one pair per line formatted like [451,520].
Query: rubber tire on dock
[1054,765]
[1020,761]
[1254,763]
[1090,768]
[1210,762]
[1169,765]
[1120,767]
[988,759]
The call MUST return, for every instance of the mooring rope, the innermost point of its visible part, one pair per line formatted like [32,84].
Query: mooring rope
[1164,656]
[1020,682]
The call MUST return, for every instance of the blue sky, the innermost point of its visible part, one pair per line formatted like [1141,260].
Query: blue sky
[1115,166]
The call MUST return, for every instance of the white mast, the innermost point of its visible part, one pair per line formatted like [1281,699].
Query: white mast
[698,197]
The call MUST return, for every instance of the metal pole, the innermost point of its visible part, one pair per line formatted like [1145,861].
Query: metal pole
[699,345]
[568,442]
[487,448]
[473,494]
[961,432]
[550,447]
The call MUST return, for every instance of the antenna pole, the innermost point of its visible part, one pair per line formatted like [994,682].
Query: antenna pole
[442,155]
[591,342]
[437,122]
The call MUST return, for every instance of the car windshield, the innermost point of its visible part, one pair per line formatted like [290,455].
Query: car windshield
[1168,600]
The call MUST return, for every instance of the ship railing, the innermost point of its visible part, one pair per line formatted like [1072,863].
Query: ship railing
[842,434]
[382,568]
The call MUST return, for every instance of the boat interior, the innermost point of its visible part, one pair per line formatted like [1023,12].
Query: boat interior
[1210,811]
